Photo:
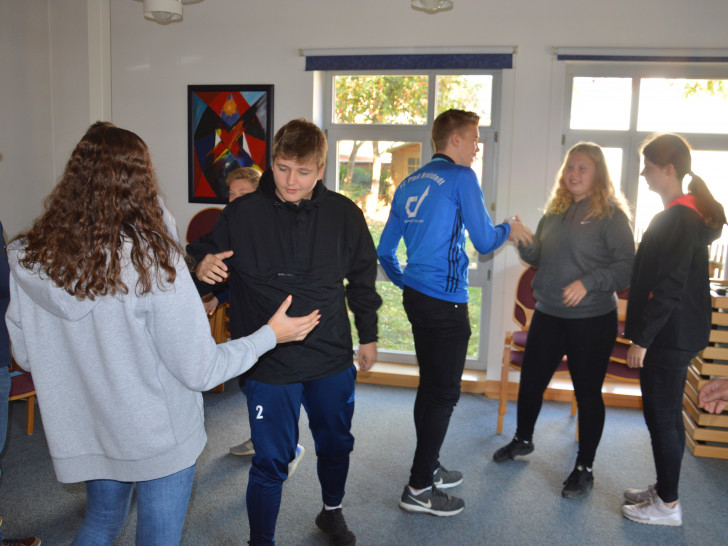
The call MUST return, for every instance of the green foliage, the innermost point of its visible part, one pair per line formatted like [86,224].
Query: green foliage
[706,87]
[381,99]
[395,333]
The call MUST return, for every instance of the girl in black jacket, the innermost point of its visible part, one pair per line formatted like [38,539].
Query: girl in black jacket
[668,315]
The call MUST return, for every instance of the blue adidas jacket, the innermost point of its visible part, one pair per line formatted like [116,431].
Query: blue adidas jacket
[431,209]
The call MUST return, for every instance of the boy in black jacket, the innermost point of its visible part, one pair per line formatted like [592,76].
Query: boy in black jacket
[293,236]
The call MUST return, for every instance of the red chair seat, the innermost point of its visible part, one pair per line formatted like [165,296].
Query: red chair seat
[517,362]
[201,223]
[21,384]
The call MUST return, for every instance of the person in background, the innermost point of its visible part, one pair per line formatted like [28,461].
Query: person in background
[5,373]
[241,181]
[669,315]
[431,209]
[293,235]
[583,250]
[105,315]
[713,396]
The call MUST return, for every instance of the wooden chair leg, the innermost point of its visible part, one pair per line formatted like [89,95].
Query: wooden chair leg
[30,415]
[573,412]
[503,390]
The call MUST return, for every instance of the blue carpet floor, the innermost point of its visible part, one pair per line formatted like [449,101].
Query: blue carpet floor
[517,502]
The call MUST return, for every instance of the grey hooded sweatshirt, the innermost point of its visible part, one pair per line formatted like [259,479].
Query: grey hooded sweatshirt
[118,378]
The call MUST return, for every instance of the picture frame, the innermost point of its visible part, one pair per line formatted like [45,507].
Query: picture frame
[229,126]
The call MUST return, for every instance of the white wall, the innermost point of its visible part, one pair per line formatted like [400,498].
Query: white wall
[252,41]
[26,170]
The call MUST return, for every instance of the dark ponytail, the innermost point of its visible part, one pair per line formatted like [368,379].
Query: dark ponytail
[712,210]
[671,149]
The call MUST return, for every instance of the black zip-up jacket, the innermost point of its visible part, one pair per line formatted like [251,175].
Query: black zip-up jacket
[307,251]
[669,296]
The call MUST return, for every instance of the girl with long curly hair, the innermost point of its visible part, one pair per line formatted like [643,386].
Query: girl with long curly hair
[583,250]
[105,315]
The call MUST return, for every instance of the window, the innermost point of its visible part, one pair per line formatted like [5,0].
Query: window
[620,104]
[378,128]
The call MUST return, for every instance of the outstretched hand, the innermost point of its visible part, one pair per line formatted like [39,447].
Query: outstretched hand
[292,328]
[212,269]
[520,234]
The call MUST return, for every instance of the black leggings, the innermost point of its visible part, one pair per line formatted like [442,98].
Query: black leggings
[663,384]
[587,344]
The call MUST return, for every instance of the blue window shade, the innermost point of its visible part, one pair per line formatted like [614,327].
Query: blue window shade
[410,62]
[644,58]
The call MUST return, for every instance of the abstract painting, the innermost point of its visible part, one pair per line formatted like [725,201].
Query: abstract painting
[229,126]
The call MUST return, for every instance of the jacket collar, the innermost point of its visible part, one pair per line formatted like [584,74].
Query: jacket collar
[267,186]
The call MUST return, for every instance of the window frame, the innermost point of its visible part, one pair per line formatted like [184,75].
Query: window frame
[630,139]
[481,274]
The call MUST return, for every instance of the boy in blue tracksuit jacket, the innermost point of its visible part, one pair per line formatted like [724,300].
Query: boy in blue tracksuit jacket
[431,209]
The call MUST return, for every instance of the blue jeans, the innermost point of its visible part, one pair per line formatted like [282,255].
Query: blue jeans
[4,392]
[161,510]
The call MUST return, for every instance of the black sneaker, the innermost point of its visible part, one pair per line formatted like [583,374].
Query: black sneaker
[433,501]
[516,447]
[445,479]
[332,523]
[579,483]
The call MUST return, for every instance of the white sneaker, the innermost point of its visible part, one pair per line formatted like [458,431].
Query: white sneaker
[293,465]
[246,448]
[636,496]
[653,512]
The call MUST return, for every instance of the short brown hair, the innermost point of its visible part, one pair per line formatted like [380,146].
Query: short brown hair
[244,173]
[301,140]
[449,122]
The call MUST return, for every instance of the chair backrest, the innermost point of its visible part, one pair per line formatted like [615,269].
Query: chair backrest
[525,302]
[201,223]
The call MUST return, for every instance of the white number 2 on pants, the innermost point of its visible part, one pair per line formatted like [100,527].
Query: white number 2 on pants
[259,409]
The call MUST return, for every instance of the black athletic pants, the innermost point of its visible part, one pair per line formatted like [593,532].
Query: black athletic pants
[441,331]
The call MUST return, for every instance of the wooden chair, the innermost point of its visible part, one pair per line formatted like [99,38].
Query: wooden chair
[717,260]
[22,388]
[515,343]
[201,223]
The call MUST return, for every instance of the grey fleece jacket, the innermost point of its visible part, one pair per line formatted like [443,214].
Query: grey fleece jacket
[118,378]
[570,246]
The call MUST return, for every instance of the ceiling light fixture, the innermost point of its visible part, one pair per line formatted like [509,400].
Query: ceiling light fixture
[432,6]
[165,11]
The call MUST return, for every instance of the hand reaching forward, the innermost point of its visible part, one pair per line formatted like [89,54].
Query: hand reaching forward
[212,269]
[520,234]
[292,328]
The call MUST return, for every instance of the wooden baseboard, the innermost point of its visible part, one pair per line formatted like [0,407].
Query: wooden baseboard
[615,393]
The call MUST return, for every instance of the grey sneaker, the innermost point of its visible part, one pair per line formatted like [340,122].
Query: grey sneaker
[653,512]
[246,448]
[293,465]
[445,479]
[433,501]
[516,447]
[578,484]
[636,496]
